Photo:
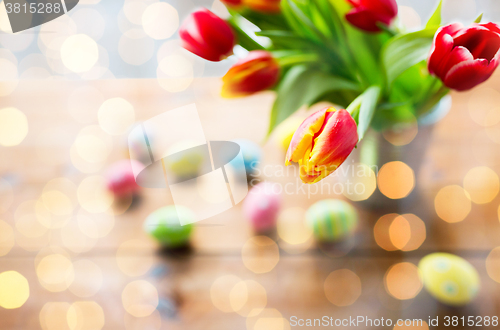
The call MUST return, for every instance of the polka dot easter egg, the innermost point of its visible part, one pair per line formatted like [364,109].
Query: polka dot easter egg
[164,226]
[261,207]
[448,278]
[332,220]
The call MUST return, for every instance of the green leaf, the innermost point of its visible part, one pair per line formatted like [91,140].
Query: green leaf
[405,51]
[479,18]
[299,22]
[435,19]
[302,86]
[244,40]
[367,108]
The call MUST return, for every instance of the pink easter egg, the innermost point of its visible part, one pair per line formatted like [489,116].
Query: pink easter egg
[261,206]
[120,177]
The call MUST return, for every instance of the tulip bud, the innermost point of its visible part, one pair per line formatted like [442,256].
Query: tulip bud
[322,143]
[367,14]
[232,3]
[207,35]
[257,72]
[265,6]
[465,57]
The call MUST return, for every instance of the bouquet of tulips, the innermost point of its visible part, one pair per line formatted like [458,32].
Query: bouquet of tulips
[352,53]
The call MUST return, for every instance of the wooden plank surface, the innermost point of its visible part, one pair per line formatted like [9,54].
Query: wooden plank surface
[183,281]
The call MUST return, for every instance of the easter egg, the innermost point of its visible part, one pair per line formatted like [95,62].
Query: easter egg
[137,145]
[261,206]
[448,278]
[120,178]
[185,160]
[252,154]
[285,131]
[332,220]
[164,226]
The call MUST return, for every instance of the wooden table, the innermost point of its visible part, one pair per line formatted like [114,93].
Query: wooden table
[116,281]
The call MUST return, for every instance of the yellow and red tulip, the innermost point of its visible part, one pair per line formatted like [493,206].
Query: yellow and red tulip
[465,57]
[233,3]
[256,72]
[264,6]
[207,35]
[367,14]
[322,143]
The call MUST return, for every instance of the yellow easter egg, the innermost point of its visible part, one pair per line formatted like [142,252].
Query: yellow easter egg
[285,131]
[448,278]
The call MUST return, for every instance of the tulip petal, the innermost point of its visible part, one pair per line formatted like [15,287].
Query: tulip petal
[258,71]
[442,46]
[363,19]
[383,8]
[482,43]
[457,55]
[302,140]
[336,140]
[466,75]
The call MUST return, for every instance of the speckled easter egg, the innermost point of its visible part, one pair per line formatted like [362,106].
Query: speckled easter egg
[448,278]
[285,131]
[164,226]
[332,220]
[252,154]
[120,177]
[261,206]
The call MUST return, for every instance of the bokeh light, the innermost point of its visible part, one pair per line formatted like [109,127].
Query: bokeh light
[296,236]
[175,73]
[55,272]
[268,319]
[85,315]
[452,203]
[403,136]
[74,239]
[13,126]
[88,279]
[160,20]
[220,293]
[93,194]
[342,287]
[483,106]
[396,180]
[14,289]
[482,184]
[402,281]
[116,115]
[248,298]
[140,298]
[362,182]
[260,254]
[79,53]
[493,264]
[53,316]
[130,42]
[400,232]
[409,17]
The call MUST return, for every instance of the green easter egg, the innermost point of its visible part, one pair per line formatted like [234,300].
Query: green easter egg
[163,225]
[332,220]
[448,278]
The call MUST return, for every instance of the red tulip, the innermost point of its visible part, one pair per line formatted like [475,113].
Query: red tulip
[322,143]
[265,6]
[366,14]
[232,3]
[257,72]
[207,35]
[465,57]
